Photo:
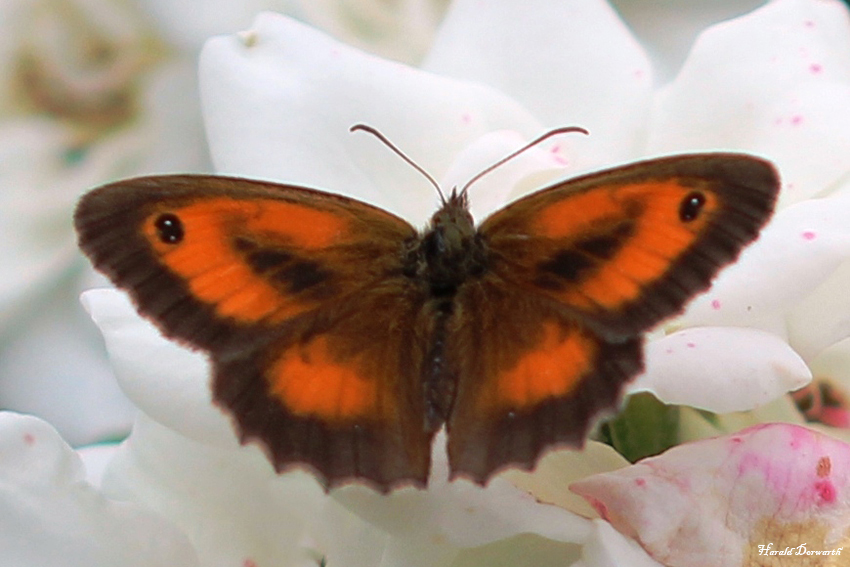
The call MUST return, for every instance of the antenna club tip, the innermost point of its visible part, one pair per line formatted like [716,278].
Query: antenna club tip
[571,129]
[360,126]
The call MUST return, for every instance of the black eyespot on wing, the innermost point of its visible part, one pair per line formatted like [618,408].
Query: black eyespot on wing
[169,228]
[691,206]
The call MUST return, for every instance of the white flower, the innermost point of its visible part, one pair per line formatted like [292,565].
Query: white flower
[278,100]
[52,516]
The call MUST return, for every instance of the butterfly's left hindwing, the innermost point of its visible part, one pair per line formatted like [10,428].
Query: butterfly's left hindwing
[316,336]
[527,382]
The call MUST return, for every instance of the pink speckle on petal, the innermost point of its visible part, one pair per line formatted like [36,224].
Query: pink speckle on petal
[669,350]
[715,304]
[809,24]
[826,491]
[466,118]
[248,562]
[815,68]
[29,438]
[809,235]
[557,156]
[796,120]
[691,345]
[640,482]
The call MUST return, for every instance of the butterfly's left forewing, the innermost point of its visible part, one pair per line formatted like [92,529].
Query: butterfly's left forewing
[316,336]
[626,248]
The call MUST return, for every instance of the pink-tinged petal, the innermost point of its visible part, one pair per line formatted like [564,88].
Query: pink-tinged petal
[591,73]
[721,369]
[712,503]
[774,82]
[279,100]
[51,516]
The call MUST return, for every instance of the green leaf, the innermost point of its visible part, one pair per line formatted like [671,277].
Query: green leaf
[646,426]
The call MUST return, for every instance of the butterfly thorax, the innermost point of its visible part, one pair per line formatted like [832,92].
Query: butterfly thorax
[450,251]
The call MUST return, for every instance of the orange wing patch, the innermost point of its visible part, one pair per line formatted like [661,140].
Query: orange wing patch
[661,231]
[552,368]
[217,274]
[310,382]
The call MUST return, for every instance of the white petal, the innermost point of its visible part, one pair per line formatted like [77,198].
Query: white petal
[96,459]
[591,73]
[232,505]
[51,516]
[775,83]
[402,31]
[461,513]
[823,318]
[279,99]
[721,369]
[531,170]
[557,469]
[795,253]
[667,29]
[609,548]
[168,382]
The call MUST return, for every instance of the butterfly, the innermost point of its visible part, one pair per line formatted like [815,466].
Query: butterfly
[342,338]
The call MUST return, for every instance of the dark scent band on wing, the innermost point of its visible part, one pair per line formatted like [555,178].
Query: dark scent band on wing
[611,268]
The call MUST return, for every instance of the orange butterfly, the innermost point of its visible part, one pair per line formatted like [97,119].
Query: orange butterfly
[343,339]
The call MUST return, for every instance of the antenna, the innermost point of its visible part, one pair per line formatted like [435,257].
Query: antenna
[531,144]
[401,154]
